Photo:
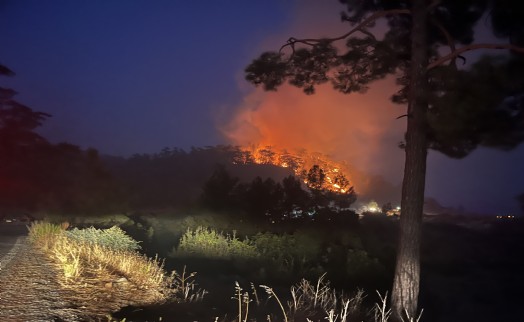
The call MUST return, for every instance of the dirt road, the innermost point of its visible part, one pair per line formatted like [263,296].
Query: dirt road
[29,290]
[12,236]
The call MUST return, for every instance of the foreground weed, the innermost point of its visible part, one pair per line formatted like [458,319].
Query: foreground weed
[409,318]
[243,301]
[382,313]
[316,302]
[308,299]
[185,284]
[271,293]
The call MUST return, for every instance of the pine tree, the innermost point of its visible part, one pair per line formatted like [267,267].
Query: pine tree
[441,114]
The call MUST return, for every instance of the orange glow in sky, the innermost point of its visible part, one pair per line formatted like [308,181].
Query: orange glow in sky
[359,129]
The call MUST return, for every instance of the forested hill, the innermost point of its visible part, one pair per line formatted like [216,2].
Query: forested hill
[176,177]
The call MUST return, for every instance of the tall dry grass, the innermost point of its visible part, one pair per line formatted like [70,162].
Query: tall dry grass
[316,302]
[108,257]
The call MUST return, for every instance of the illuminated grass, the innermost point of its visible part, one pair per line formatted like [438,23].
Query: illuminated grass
[207,242]
[44,234]
[105,258]
[113,238]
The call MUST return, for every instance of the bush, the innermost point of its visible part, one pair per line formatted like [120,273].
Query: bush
[113,238]
[206,242]
[89,256]
[287,253]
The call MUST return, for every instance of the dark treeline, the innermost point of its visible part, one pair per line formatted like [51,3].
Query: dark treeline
[38,176]
[64,179]
[207,177]
[55,178]
[176,178]
[267,199]
[170,178]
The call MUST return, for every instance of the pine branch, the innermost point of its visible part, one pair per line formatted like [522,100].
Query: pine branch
[449,39]
[360,27]
[464,49]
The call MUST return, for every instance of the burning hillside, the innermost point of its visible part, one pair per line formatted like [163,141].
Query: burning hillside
[314,169]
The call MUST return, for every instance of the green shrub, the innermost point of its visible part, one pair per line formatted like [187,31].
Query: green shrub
[359,263]
[113,238]
[206,242]
[288,253]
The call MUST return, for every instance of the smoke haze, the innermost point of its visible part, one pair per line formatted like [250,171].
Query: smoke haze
[362,129]
[358,129]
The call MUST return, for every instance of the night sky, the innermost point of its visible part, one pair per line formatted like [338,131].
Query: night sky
[131,77]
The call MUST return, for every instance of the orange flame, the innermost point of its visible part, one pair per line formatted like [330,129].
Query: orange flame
[301,162]
[359,129]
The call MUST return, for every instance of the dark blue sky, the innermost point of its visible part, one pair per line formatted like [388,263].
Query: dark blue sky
[132,76]
[135,76]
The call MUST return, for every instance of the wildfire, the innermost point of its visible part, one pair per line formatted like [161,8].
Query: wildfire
[314,169]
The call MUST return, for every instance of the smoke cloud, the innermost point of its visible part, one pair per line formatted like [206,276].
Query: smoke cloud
[358,129]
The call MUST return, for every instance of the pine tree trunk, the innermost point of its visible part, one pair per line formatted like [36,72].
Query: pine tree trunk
[407,272]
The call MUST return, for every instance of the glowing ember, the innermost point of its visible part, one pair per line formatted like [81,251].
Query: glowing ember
[314,169]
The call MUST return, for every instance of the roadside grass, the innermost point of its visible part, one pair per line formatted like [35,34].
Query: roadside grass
[314,302]
[109,259]
[106,263]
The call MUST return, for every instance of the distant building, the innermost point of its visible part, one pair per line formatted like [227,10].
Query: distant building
[505,217]
[393,212]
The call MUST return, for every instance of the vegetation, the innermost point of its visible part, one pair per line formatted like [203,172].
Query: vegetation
[352,257]
[39,175]
[113,238]
[209,243]
[282,257]
[317,302]
[267,200]
[285,230]
[93,256]
[448,109]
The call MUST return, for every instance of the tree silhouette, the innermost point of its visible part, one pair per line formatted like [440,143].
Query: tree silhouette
[263,199]
[218,191]
[19,146]
[37,175]
[431,85]
[17,122]
[296,199]
[316,177]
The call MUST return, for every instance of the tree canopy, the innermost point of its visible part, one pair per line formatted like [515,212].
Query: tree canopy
[476,105]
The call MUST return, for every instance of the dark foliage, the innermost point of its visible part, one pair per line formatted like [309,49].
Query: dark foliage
[449,110]
[271,201]
[36,175]
[478,106]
